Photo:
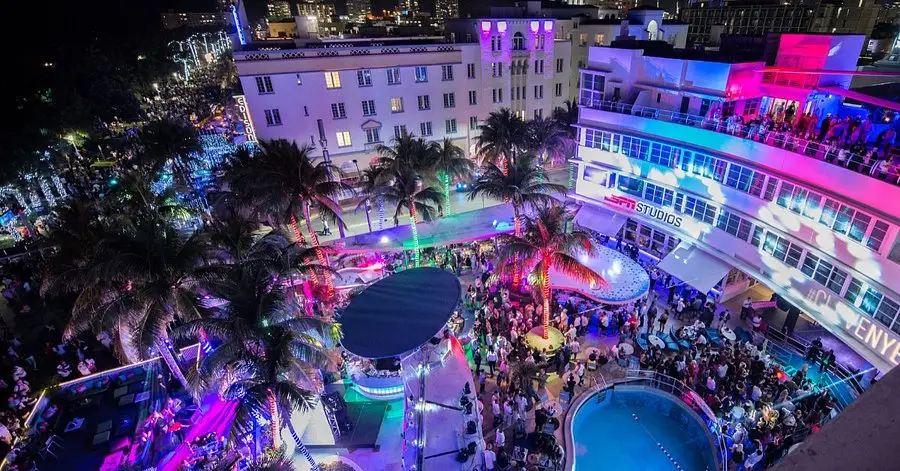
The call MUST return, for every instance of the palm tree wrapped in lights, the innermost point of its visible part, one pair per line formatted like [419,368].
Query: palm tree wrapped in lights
[411,190]
[502,136]
[405,177]
[450,162]
[283,181]
[545,245]
[520,186]
[267,356]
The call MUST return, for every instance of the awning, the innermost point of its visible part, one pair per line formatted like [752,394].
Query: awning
[694,266]
[600,219]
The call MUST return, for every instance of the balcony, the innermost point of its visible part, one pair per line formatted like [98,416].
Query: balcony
[883,169]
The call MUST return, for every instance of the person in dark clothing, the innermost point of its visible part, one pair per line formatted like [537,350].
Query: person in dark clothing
[477,358]
[827,361]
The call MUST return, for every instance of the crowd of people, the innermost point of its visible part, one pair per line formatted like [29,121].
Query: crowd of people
[40,357]
[848,141]
[762,411]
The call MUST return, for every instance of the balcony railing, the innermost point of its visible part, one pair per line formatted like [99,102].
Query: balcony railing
[883,169]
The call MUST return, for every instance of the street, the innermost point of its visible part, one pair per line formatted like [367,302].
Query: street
[356,220]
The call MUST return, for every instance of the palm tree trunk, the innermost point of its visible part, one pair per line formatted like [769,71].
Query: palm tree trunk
[273,410]
[300,241]
[445,182]
[320,255]
[171,363]
[380,213]
[301,448]
[415,231]
[545,287]
[296,228]
[517,275]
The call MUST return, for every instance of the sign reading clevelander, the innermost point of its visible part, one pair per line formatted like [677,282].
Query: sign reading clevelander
[647,210]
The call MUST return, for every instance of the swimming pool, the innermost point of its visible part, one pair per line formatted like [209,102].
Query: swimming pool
[606,435]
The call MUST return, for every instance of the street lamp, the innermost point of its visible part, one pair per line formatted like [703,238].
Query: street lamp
[359,175]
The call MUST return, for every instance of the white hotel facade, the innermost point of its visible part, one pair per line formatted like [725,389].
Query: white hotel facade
[652,166]
[345,97]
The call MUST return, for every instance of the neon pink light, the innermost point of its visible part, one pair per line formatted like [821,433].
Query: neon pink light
[501,26]
[548,25]
[485,25]
[535,25]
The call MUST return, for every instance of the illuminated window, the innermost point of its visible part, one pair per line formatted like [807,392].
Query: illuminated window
[421,73]
[699,210]
[659,195]
[332,79]
[858,226]
[598,39]
[396,105]
[632,186]
[343,139]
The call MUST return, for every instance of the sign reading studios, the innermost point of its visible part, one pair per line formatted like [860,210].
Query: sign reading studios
[647,210]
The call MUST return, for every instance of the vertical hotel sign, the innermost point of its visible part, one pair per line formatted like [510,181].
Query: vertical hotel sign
[245,114]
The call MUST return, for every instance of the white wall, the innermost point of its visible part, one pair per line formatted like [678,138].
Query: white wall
[302,104]
[825,306]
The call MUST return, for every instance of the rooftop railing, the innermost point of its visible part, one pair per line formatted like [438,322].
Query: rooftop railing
[883,168]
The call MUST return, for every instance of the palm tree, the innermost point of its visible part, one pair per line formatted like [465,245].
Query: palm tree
[566,116]
[137,283]
[450,163]
[502,137]
[411,190]
[547,139]
[523,185]
[369,182]
[268,357]
[545,245]
[274,460]
[166,140]
[283,181]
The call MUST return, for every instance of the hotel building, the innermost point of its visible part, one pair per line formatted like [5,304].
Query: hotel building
[345,97]
[721,203]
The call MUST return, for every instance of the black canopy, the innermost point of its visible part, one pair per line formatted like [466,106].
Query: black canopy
[399,313]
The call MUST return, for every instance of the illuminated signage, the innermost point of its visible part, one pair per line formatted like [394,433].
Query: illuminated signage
[248,121]
[877,338]
[646,209]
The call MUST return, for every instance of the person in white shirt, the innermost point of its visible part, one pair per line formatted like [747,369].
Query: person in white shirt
[745,308]
[500,438]
[722,370]
[489,458]
[753,459]
[711,384]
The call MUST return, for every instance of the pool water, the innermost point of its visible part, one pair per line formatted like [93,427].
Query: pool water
[607,437]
